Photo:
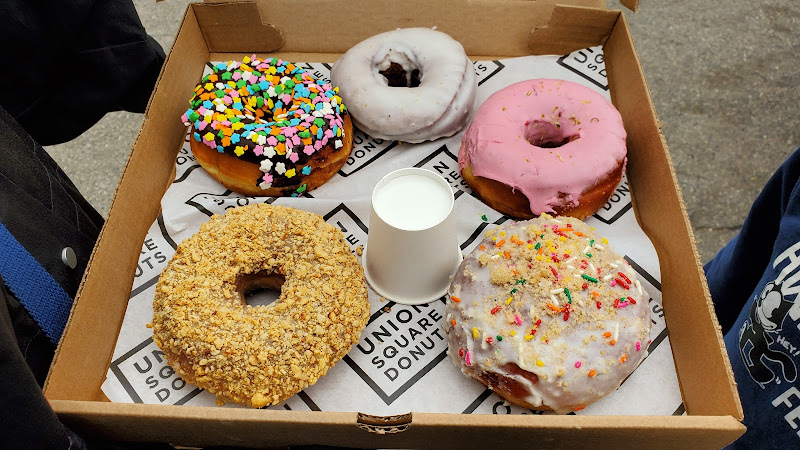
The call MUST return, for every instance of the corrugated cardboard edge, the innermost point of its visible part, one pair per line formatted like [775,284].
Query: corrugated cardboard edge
[124,259]
[704,398]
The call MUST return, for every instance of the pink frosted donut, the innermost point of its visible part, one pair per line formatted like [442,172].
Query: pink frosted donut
[544,146]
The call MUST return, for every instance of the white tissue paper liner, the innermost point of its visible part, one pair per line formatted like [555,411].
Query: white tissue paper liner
[400,364]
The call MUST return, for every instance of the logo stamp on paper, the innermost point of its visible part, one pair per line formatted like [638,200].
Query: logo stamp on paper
[366,150]
[317,70]
[445,163]
[651,285]
[152,259]
[210,204]
[617,205]
[487,69]
[185,163]
[161,383]
[658,329]
[354,230]
[398,347]
[588,63]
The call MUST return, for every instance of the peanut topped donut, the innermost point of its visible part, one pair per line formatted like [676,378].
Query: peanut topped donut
[259,355]
[544,146]
[411,84]
[268,128]
[547,315]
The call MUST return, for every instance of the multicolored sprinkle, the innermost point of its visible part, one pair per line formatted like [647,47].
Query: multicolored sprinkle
[269,112]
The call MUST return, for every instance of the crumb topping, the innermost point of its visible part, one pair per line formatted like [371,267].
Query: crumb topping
[259,355]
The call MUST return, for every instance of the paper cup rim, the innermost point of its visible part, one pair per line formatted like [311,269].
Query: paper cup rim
[420,171]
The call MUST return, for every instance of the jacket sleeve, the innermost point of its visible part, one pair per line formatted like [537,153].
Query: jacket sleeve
[73,61]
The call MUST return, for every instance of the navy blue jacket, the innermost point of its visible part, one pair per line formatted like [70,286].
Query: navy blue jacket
[754,282]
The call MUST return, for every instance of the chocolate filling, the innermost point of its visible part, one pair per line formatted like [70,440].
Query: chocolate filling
[509,385]
[397,77]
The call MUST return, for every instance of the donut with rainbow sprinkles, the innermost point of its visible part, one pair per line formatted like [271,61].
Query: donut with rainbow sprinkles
[268,127]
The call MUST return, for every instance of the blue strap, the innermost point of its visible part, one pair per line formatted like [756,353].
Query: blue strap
[46,301]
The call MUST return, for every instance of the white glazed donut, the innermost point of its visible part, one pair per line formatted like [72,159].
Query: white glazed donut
[547,315]
[439,106]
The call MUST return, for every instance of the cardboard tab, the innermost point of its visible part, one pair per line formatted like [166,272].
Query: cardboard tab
[384,424]
[569,29]
[238,29]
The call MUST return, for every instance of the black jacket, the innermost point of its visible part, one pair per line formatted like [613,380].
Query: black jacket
[65,65]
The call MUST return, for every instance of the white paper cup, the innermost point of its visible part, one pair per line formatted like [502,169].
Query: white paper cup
[412,247]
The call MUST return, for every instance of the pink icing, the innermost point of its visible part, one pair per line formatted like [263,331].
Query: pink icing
[499,143]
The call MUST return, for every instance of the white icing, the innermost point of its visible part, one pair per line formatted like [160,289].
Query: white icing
[440,106]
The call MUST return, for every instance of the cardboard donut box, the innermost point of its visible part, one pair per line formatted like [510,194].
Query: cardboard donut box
[488,30]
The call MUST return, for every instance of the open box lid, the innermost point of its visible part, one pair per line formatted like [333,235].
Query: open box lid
[220,30]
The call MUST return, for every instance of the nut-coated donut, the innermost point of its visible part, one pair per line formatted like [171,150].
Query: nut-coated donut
[259,355]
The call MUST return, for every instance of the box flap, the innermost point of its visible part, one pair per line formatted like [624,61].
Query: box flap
[202,426]
[240,25]
[282,31]
[633,5]
[570,28]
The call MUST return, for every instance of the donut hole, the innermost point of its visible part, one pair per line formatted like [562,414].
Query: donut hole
[260,288]
[398,70]
[544,134]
